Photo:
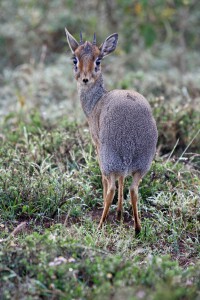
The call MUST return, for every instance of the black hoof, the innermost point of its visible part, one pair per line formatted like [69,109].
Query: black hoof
[119,215]
[137,232]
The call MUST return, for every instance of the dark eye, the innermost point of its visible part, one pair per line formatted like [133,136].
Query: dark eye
[98,62]
[74,60]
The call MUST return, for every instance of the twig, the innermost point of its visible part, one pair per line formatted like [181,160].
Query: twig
[186,148]
[172,151]
[18,229]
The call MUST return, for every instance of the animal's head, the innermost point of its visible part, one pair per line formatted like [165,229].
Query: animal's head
[87,57]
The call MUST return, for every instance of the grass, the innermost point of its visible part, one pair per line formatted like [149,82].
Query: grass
[55,265]
[50,183]
[51,203]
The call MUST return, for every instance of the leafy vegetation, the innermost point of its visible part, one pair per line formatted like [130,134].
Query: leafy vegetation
[50,183]
[50,179]
[55,265]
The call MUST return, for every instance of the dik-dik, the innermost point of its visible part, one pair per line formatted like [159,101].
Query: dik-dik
[120,121]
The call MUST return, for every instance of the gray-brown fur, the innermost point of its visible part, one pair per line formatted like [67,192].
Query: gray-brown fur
[90,97]
[121,125]
[127,133]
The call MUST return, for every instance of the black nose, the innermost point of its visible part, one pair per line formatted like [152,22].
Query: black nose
[85,80]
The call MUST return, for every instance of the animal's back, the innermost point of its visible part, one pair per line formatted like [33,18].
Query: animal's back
[127,133]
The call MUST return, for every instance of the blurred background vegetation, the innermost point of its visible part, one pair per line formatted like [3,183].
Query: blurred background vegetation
[157,54]
[29,25]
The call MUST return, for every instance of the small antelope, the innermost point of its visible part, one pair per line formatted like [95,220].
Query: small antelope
[121,124]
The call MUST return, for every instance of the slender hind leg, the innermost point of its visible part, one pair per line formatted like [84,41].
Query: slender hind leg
[120,197]
[109,198]
[134,198]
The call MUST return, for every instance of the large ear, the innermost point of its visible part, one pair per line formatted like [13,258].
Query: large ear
[73,44]
[109,45]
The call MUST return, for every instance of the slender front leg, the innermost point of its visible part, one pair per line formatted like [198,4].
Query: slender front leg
[109,198]
[105,188]
[134,198]
[103,178]
[120,197]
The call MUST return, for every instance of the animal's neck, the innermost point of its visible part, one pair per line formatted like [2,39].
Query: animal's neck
[91,95]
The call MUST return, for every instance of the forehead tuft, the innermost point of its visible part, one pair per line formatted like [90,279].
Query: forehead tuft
[87,49]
